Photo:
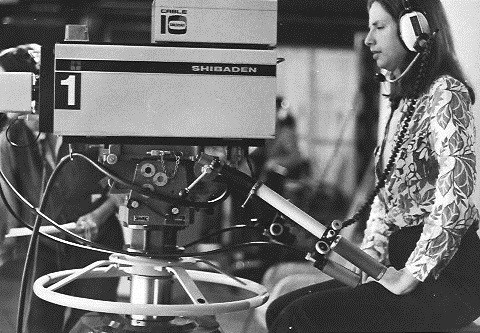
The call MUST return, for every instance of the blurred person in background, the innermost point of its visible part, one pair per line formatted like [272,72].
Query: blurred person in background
[280,159]
[80,194]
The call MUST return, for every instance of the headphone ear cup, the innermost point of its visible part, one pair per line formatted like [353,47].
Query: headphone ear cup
[412,26]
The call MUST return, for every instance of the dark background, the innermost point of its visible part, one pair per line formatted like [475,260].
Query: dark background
[329,23]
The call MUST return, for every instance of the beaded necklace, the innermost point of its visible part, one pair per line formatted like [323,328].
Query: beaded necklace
[406,118]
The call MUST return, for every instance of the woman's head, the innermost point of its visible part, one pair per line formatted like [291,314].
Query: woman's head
[441,58]
[383,39]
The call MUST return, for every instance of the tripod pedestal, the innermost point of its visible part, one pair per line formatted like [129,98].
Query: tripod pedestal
[151,281]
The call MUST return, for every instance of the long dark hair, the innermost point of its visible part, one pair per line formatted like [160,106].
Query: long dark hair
[441,59]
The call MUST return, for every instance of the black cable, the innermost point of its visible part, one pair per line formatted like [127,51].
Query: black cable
[38,213]
[30,253]
[221,231]
[34,238]
[257,243]
[55,224]
[96,247]
[82,241]
[10,208]
[27,225]
[36,232]
[15,144]
[93,246]
[388,168]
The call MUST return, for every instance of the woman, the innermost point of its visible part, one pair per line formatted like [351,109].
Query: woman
[423,223]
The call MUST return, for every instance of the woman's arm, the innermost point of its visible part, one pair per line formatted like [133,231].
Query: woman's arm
[452,138]
[89,224]
[375,239]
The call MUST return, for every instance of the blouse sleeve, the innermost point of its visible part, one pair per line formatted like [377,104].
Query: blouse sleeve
[376,233]
[452,136]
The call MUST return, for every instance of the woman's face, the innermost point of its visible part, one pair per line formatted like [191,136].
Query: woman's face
[383,39]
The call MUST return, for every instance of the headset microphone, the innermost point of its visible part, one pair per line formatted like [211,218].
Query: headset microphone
[382,78]
[422,41]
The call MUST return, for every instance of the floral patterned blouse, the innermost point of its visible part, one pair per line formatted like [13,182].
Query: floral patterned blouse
[432,181]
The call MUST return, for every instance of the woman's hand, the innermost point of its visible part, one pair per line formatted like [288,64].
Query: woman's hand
[87,226]
[363,276]
[399,282]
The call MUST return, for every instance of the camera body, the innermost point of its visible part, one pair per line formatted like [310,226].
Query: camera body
[157,91]
[208,78]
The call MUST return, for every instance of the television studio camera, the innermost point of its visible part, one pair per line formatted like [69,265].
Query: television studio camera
[208,78]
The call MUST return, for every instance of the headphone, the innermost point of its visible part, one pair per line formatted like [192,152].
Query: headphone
[414,29]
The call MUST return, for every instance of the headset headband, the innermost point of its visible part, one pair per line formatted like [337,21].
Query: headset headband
[407,5]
